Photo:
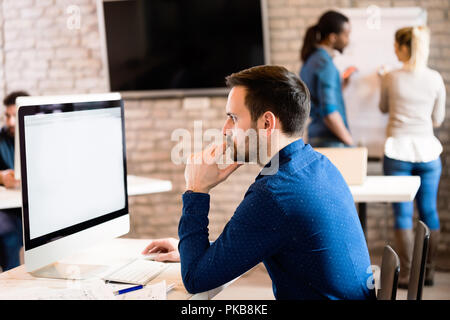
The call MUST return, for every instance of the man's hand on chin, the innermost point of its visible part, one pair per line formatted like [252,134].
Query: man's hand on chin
[202,172]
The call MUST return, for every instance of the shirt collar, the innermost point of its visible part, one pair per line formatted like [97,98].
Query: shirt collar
[284,155]
[291,148]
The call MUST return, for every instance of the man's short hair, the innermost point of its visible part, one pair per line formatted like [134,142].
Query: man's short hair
[10,99]
[275,89]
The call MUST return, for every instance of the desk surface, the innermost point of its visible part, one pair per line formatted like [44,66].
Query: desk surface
[120,251]
[112,253]
[12,198]
[386,189]
[374,189]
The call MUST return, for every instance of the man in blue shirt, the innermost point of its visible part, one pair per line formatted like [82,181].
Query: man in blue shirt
[329,126]
[10,219]
[298,217]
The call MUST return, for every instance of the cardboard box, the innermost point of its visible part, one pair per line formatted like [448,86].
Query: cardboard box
[351,162]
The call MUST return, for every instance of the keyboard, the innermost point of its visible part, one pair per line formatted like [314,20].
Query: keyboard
[139,271]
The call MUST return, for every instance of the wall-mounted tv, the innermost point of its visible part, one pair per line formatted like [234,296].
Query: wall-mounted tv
[180,47]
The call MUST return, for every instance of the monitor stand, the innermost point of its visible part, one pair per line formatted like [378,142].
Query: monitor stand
[66,271]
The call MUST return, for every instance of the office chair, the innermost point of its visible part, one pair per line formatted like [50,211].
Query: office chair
[390,269]
[417,275]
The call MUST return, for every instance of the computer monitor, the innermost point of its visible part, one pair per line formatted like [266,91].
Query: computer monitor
[74,178]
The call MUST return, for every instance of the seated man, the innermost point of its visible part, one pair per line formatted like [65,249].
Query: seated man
[298,217]
[10,219]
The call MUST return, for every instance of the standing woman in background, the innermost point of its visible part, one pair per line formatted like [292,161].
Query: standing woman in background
[414,97]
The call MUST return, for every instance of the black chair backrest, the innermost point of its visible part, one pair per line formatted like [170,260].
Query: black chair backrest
[417,275]
[390,268]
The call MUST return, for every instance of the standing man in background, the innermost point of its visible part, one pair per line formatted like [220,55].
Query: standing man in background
[10,219]
[329,127]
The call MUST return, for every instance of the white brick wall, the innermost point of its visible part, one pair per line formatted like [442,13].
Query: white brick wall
[43,55]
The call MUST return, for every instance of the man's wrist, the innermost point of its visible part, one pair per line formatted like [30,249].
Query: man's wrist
[196,190]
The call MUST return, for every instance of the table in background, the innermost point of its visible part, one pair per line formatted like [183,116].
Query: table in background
[12,198]
[383,189]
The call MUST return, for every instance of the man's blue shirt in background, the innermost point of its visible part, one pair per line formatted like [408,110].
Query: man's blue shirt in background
[300,222]
[6,150]
[324,83]
[10,219]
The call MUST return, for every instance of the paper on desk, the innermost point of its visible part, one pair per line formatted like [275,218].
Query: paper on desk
[85,290]
[156,291]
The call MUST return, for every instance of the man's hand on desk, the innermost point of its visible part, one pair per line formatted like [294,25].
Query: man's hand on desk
[167,248]
[7,179]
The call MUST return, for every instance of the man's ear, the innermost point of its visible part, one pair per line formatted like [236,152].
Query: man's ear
[332,38]
[270,122]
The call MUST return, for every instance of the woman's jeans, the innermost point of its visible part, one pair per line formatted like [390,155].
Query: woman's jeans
[426,198]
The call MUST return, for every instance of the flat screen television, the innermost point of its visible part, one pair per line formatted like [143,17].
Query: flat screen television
[187,47]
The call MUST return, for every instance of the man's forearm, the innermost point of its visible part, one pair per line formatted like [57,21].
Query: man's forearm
[193,234]
[248,238]
[335,123]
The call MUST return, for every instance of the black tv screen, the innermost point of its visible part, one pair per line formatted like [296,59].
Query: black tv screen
[181,44]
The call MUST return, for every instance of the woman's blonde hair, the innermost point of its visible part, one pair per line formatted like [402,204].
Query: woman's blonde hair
[417,40]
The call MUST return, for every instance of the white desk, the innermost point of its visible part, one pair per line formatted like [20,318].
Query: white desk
[384,189]
[111,253]
[136,186]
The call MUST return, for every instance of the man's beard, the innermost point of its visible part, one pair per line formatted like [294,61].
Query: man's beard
[242,153]
[340,49]
[11,131]
[248,150]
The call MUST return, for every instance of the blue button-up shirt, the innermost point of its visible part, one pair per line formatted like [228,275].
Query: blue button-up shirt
[6,150]
[324,83]
[9,218]
[301,222]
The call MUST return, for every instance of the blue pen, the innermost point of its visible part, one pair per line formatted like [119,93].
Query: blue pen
[128,290]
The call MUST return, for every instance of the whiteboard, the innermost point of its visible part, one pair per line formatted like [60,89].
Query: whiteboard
[371,47]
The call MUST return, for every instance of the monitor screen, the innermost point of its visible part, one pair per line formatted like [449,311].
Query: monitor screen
[73,168]
[181,44]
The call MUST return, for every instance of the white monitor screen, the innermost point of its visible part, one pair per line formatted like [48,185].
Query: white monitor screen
[74,167]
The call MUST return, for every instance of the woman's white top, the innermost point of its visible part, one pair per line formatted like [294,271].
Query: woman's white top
[415,101]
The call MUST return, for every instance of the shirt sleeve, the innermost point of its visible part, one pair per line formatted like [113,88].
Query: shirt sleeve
[384,90]
[252,234]
[328,91]
[438,114]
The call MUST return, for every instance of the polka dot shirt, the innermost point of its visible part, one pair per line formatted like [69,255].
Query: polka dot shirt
[301,222]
